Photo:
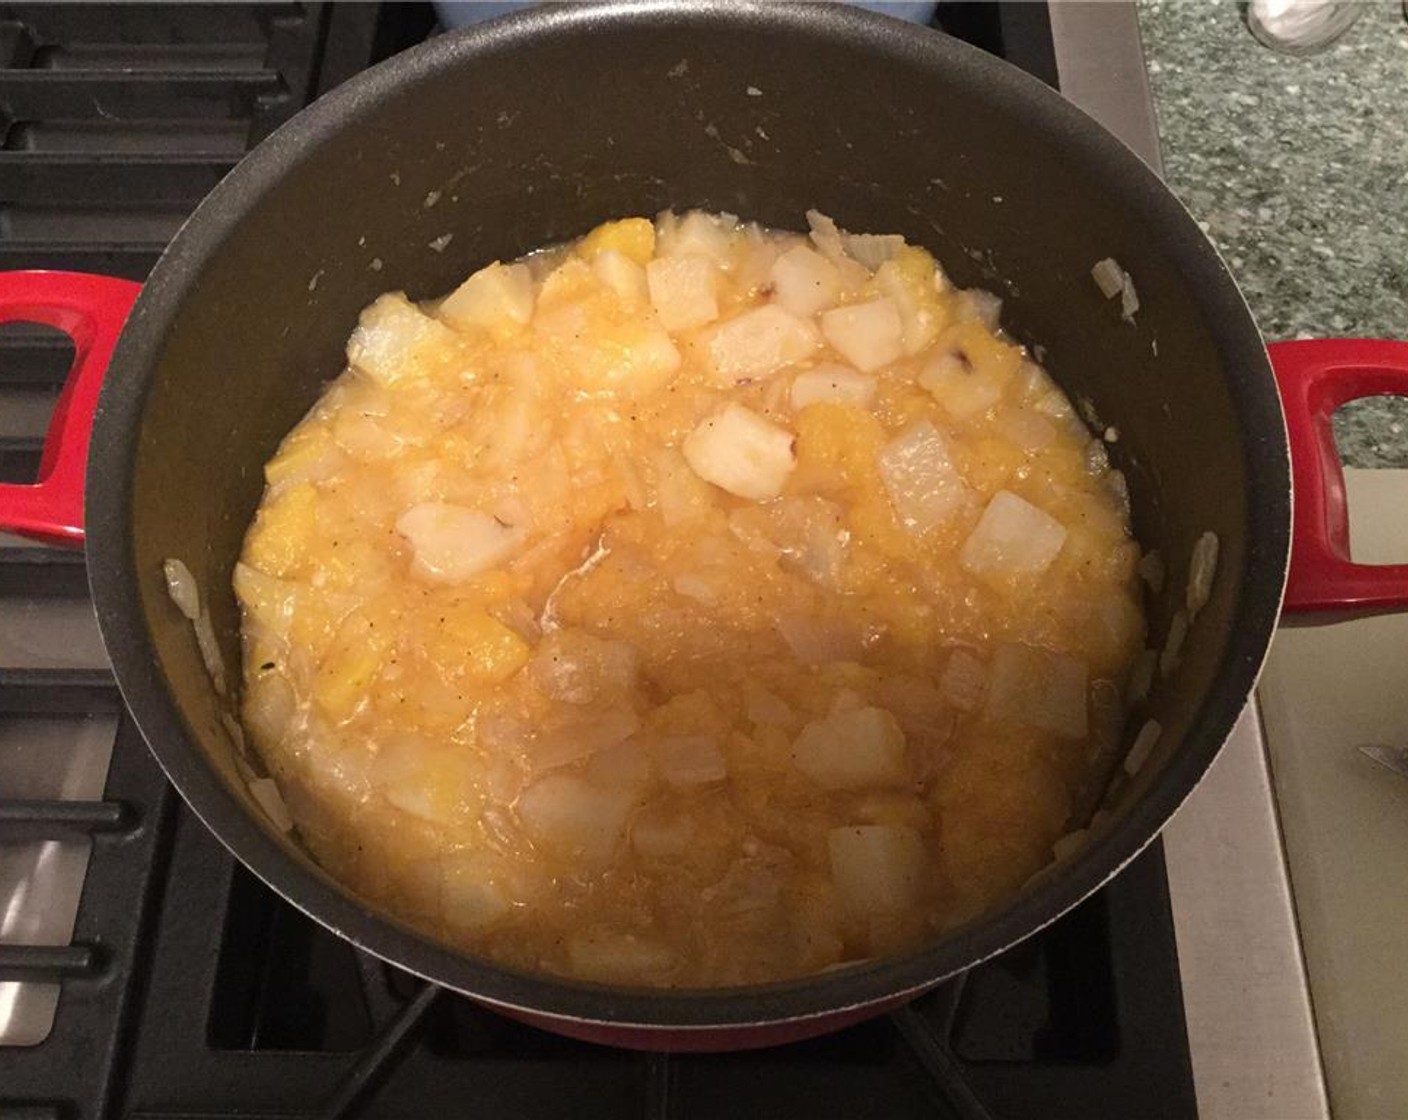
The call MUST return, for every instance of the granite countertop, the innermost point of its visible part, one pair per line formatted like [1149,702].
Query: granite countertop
[1297,168]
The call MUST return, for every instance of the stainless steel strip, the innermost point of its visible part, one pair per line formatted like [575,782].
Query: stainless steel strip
[1100,63]
[1251,1027]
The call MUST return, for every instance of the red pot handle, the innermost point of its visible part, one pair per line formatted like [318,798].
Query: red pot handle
[1316,377]
[91,311]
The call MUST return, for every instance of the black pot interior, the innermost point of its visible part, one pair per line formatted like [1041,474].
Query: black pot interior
[488,143]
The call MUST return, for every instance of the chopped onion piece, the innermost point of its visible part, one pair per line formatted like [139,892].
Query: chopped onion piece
[1142,747]
[765,708]
[452,543]
[1129,300]
[210,650]
[575,821]
[622,275]
[825,234]
[868,335]
[609,956]
[697,588]
[492,298]
[983,306]
[857,749]
[872,249]
[659,833]
[1013,538]
[395,340]
[757,344]
[1172,654]
[680,494]
[1036,688]
[1108,277]
[964,681]
[682,292]
[954,383]
[266,792]
[1201,571]
[1141,677]
[469,895]
[878,869]
[815,641]
[804,282]
[1151,571]
[576,667]
[691,760]
[181,586]
[742,452]
[923,484]
[832,383]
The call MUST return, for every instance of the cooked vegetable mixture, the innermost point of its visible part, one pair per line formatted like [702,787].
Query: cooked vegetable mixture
[695,604]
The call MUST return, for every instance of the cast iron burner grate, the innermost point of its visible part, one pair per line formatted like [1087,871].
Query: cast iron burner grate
[189,989]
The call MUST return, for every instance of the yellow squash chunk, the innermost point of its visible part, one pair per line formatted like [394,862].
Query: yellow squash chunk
[632,237]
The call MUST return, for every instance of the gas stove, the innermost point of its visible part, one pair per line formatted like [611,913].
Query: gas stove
[144,973]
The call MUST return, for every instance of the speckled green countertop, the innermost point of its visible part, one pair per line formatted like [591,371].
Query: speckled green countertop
[1297,168]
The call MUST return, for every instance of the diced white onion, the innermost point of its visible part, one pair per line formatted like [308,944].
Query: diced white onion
[1141,677]
[872,249]
[622,275]
[1037,688]
[964,681]
[868,335]
[815,641]
[832,383]
[878,869]
[680,494]
[982,305]
[658,833]
[608,956]
[1129,300]
[1142,747]
[1201,571]
[682,291]
[741,452]
[697,234]
[394,339]
[1108,277]
[181,586]
[825,234]
[1151,571]
[210,650]
[923,484]
[1172,654]
[576,667]
[1013,538]
[757,344]
[581,736]
[469,896]
[858,749]
[453,543]
[691,760]
[765,708]
[491,298]
[266,792]
[804,282]
[963,392]
[575,821]
[697,588]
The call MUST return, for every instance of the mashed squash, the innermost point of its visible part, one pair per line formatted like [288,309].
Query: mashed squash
[695,604]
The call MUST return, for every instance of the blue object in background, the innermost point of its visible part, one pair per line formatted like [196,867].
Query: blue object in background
[461,13]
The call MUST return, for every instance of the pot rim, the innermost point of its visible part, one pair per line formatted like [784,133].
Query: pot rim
[115,580]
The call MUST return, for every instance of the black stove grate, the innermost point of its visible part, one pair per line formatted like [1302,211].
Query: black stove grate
[191,990]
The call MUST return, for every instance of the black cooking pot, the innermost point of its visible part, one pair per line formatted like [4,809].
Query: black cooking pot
[489,142]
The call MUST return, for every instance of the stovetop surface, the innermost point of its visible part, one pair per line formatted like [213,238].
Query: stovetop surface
[187,987]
